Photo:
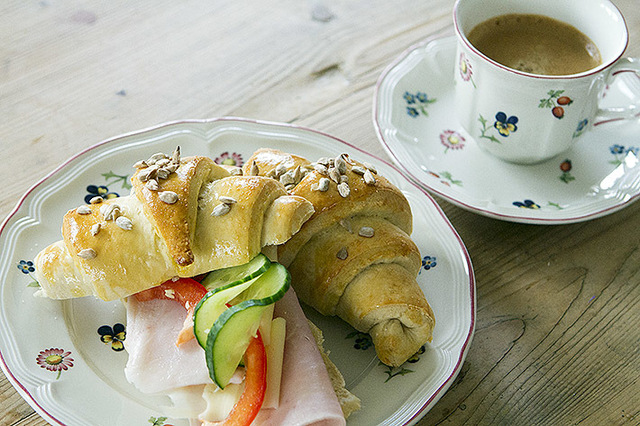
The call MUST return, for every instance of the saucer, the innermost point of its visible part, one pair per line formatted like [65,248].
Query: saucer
[414,114]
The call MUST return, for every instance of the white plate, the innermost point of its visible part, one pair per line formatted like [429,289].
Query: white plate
[600,174]
[94,390]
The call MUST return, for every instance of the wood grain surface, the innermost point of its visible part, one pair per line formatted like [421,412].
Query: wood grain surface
[558,307]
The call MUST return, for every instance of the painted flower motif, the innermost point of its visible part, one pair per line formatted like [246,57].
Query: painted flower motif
[466,71]
[565,168]
[417,103]
[616,149]
[26,266]
[452,140]
[526,204]
[409,98]
[505,125]
[158,421]
[621,153]
[230,159]
[115,336]
[99,190]
[55,359]
[428,262]
[416,357]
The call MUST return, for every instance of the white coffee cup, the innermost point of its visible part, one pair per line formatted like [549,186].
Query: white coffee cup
[501,107]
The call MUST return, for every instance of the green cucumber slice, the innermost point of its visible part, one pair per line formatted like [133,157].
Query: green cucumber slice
[236,274]
[229,337]
[212,305]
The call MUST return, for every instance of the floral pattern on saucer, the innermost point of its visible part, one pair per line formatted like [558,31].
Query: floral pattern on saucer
[593,178]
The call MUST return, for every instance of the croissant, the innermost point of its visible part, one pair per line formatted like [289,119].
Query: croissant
[185,217]
[354,258]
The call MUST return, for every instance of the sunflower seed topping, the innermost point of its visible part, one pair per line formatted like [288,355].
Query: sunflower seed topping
[221,209]
[366,231]
[370,167]
[152,185]
[359,170]
[340,164]
[323,185]
[334,174]
[344,179]
[163,162]
[369,179]
[236,171]
[141,164]
[163,173]
[342,253]
[124,223]
[346,225]
[96,200]
[255,171]
[83,210]
[168,197]
[156,157]
[280,170]
[227,200]
[320,168]
[95,229]
[288,178]
[344,190]
[175,157]
[110,211]
[87,253]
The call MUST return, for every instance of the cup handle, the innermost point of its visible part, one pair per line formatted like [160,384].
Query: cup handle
[618,113]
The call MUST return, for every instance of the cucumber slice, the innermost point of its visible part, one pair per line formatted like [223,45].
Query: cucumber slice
[212,305]
[229,337]
[236,274]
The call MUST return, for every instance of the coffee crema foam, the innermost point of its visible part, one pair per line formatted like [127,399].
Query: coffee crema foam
[535,44]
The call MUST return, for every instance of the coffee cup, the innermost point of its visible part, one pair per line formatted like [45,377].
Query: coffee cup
[523,112]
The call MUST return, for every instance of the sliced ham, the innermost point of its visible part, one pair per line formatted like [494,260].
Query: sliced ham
[156,364]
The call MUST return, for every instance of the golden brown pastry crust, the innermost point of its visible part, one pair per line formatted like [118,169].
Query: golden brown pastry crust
[148,241]
[354,257]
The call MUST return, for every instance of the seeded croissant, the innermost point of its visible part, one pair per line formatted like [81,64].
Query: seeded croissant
[172,225]
[354,258]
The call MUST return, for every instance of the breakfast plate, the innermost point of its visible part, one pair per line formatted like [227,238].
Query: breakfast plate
[414,116]
[54,352]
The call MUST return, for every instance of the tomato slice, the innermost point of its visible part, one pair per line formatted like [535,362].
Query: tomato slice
[185,291]
[250,402]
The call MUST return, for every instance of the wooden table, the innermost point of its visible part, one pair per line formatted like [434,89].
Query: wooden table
[558,307]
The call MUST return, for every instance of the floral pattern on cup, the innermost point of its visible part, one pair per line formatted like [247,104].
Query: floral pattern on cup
[417,103]
[54,359]
[556,102]
[452,140]
[565,168]
[505,125]
[158,421]
[230,159]
[115,335]
[466,71]
[582,126]
[620,153]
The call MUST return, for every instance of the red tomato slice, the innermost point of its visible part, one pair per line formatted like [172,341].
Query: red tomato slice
[185,291]
[250,402]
